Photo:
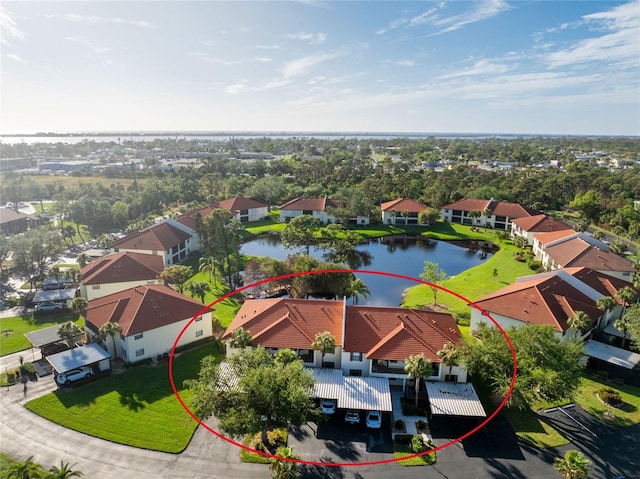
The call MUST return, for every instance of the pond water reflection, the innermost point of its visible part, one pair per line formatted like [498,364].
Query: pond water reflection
[399,255]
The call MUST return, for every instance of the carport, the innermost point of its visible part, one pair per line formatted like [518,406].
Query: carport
[56,296]
[352,392]
[48,340]
[88,355]
[612,355]
[454,399]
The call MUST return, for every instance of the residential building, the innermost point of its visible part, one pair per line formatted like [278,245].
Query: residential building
[168,239]
[403,211]
[151,318]
[119,271]
[13,222]
[241,208]
[528,226]
[491,213]
[318,208]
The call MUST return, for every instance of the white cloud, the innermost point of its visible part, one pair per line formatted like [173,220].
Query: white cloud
[302,65]
[426,16]
[263,59]
[481,11]
[400,63]
[620,46]
[235,88]
[481,67]
[15,57]
[219,61]
[94,48]
[268,47]
[312,38]
[8,27]
[93,20]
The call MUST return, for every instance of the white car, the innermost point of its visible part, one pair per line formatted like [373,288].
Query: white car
[352,417]
[41,307]
[68,377]
[374,419]
[328,406]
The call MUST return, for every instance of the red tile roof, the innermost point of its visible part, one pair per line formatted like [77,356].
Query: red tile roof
[141,309]
[239,203]
[288,323]
[397,333]
[510,210]
[577,252]
[601,282]
[546,301]
[546,238]
[158,237]
[120,267]
[540,224]
[403,204]
[312,204]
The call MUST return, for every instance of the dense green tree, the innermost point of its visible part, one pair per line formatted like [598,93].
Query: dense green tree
[633,323]
[34,251]
[548,368]
[589,205]
[252,393]
[240,338]
[301,231]
[177,275]
[580,322]
[418,367]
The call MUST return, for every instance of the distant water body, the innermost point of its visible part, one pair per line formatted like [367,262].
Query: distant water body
[74,138]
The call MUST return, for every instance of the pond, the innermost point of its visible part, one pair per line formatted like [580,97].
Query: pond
[399,255]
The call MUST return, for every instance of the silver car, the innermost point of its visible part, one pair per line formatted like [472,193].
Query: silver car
[72,375]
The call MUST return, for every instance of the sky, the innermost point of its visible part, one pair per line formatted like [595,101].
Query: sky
[483,66]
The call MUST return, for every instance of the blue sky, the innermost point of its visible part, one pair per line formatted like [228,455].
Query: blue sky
[568,67]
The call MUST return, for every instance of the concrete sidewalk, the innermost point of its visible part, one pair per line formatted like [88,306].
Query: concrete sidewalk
[409,421]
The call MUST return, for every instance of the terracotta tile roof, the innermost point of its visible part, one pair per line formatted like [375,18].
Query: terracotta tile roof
[511,210]
[397,333]
[540,224]
[577,252]
[313,204]
[288,323]
[239,203]
[601,282]
[158,237]
[546,238]
[546,301]
[120,267]
[403,204]
[188,218]
[141,309]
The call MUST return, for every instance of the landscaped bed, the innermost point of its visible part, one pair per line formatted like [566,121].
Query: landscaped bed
[136,408]
[403,446]
[276,438]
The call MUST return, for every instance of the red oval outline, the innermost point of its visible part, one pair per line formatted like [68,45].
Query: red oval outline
[345,464]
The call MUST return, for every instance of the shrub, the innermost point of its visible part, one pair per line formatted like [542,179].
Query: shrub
[463,318]
[274,437]
[421,424]
[399,424]
[28,368]
[519,258]
[535,265]
[609,395]
[417,444]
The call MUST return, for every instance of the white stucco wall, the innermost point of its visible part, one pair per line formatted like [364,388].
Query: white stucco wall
[90,292]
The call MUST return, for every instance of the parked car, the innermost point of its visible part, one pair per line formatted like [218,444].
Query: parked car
[74,375]
[41,307]
[374,419]
[328,406]
[352,417]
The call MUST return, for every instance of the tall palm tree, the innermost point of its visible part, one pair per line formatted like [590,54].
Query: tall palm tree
[68,331]
[281,468]
[418,367]
[199,288]
[358,288]
[82,260]
[573,466]
[606,304]
[111,329]
[208,264]
[73,275]
[474,215]
[26,469]
[627,295]
[65,471]
[449,355]
[325,343]
[622,325]
[79,304]
[580,321]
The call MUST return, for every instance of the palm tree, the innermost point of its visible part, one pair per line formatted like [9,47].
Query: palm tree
[282,466]
[208,264]
[580,321]
[68,331]
[358,288]
[474,215]
[405,215]
[26,469]
[63,472]
[240,338]
[487,213]
[606,304]
[622,325]
[55,271]
[573,466]
[69,232]
[73,275]
[627,295]
[449,355]
[111,329]
[82,260]
[418,367]
[325,343]
[199,288]
[79,304]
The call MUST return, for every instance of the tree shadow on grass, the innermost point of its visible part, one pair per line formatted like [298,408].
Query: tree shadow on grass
[130,401]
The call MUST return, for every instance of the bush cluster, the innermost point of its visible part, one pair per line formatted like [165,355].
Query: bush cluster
[609,396]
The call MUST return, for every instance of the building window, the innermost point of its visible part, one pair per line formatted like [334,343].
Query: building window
[138,336]
[199,318]
[139,352]
[95,286]
[123,352]
[150,281]
[199,333]
[328,364]
[356,357]
[116,250]
[355,372]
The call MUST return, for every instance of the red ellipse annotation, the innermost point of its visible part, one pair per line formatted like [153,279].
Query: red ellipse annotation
[344,464]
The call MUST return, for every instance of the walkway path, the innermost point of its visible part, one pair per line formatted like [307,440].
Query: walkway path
[409,421]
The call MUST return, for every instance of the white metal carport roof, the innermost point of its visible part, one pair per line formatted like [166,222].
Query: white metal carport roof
[352,392]
[454,399]
[611,354]
[77,357]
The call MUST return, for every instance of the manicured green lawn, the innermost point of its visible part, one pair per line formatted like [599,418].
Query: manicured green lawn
[256,228]
[402,448]
[226,309]
[533,428]
[136,408]
[16,341]
[474,282]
